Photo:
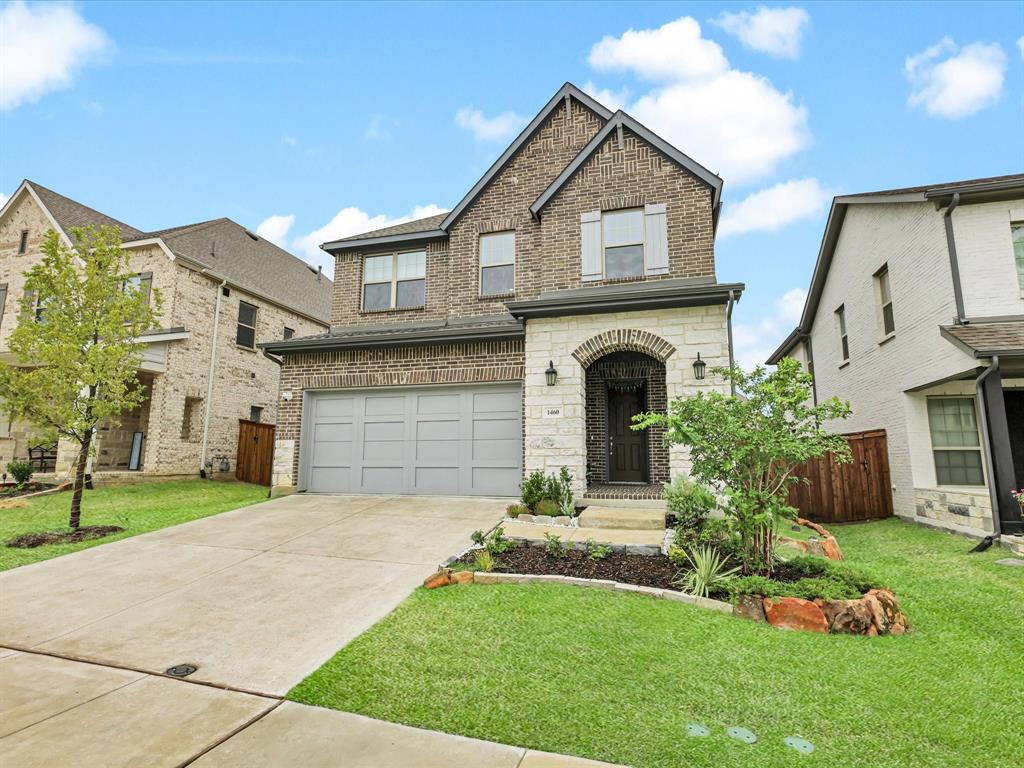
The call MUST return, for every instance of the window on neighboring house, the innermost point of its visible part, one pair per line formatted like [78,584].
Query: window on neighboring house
[255,413]
[497,263]
[953,424]
[885,300]
[23,242]
[35,308]
[1017,230]
[3,301]
[288,333]
[140,282]
[625,243]
[395,281]
[192,419]
[246,333]
[844,341]
[622,238]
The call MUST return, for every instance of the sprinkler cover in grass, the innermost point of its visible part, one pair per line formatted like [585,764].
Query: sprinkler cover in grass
[696,729]
[800,745]
[741,734]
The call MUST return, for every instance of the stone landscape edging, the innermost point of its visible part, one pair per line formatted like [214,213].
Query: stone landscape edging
[545,520]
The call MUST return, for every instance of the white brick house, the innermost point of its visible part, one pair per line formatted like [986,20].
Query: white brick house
[200,376]
[915,315]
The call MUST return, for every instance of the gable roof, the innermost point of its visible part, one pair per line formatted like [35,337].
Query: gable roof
[968,191]
[427,228]
[70,213]
[621,120]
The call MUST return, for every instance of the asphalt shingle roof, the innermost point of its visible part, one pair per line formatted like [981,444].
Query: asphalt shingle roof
[70,213]
[425,224]
[952,185]
[992,338]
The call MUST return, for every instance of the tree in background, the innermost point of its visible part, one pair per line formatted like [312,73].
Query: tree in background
[750,446]
[76,343]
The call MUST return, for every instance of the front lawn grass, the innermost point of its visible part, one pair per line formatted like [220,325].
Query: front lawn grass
[617,677]
[137,508]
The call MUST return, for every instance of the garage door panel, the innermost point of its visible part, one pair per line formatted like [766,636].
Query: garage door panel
[438,430]
[436,451]
[387,452]
[384,430]
[333,408]
[437,480]
[496,402]
[496,429]
[382,479]
[494,480]
[506,451]
[330,479]
[334,433]
[446,403]
[330,454]
[390,405]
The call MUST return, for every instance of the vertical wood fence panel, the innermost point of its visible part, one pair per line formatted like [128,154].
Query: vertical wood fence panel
[255,452]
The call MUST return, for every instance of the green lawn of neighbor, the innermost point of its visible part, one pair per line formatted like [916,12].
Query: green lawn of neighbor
[617,677]
[137,508]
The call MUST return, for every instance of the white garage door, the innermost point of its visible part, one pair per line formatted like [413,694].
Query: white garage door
[464,440]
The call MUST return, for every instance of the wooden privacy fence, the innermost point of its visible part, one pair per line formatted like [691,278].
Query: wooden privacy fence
[255,452]
[843,493]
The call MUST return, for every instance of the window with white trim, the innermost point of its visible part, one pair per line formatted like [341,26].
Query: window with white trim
[884,291]
[497,263]
[1017,231]
[395,281]
[143,281]
[626,243]
[844,340]
[953,423]
[622,239]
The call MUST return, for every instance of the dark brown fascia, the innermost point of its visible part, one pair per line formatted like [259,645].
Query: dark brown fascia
[412,337]
[615,299]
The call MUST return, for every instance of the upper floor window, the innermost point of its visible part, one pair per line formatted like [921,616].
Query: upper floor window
[23,241]
[3,300]
[288,333]
[953,424]
[245,335]
[844,341]
[395,281]
[1017,231]
[885,300]
[497,263]
[625,243]
[255,413]
[140,282]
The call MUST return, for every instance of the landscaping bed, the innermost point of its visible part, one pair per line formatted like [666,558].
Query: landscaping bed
[14,491]
[82,533]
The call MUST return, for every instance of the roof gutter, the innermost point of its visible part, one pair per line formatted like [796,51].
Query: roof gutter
[986,441]
[728,323]
[418,337]
[954,264]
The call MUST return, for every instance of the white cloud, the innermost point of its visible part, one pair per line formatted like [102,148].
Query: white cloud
[754,342]
[3,199]
[775,31]
[614,100]
[275,228]
[774,208]
[497,128]
[735,123]
[673,51]
[380,127]
[953,83]
[41,47]
[289,141]
[1020,44]
[350,221]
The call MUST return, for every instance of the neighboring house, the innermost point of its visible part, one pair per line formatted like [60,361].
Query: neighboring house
[224,291]
[915,315]
[571,288]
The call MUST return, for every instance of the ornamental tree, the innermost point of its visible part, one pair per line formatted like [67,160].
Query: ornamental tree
[749,446]
[77,343]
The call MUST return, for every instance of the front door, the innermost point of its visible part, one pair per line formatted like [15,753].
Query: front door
[626,448]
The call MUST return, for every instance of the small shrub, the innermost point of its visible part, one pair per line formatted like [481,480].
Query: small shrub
[822,578]
[515,510]
[478,538]
[483,560]
[559,490]
[709,573]
[715,532]
[677,556]
[534,489]
[20,471]
[554,545]
[690,502]
[546,507]
[597,551]
[496,543]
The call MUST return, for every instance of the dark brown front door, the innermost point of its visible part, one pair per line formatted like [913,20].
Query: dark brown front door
[626,454]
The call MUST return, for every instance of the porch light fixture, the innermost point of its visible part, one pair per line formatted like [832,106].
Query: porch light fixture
[551,374]
[698,368]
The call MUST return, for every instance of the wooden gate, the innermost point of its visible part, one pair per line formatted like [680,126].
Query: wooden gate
[255,452]
[843,493]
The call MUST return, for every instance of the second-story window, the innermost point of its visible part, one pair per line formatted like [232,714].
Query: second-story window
[3,300]
[1017,230]
[885,300]
[625,243]
[395,281]
[497,263]
[23,241]
[288,333]
[245,335]
[140,282]
[622,235]
[844,341]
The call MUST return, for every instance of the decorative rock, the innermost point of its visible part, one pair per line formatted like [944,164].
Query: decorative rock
[543,519]
[847,617]
[831,549]
[462,577]
[750,607]
[485,577]
[562,520]
[643,549]
[794,613]
[886,615]
[440,579]
[525,518]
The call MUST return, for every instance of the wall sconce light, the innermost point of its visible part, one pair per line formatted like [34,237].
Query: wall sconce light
[551,374]
[698,368]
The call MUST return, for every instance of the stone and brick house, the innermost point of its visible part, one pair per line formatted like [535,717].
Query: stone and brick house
[224,291]
[915,314]
[572,287]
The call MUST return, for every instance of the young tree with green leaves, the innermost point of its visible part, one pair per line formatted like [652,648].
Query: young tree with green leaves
[77,343]
[751,446]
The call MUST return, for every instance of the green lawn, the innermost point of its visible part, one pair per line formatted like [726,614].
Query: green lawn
[136,508]
[617,677]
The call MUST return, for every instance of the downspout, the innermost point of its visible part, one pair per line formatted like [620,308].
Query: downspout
[954,264]
[986,440]
[728,323]
[277,414]
[810,367]
[209,380]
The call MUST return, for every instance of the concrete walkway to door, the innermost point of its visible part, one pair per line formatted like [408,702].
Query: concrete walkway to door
[256,599]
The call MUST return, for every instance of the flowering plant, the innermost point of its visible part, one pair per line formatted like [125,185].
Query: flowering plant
[1018,496]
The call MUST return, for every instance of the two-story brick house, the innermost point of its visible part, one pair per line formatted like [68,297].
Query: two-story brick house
[224,290]
[571,288]
[915,314]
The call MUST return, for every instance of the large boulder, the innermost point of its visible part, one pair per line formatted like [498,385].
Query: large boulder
[847,617]
[749,607]
[886,616]
[794,613]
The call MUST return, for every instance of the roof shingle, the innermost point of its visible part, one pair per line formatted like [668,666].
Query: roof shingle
[984,339]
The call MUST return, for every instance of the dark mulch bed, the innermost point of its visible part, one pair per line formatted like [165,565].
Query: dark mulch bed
[13,491]
[85,533]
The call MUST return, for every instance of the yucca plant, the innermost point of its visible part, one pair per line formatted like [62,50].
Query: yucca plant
[483,560]
[708,575]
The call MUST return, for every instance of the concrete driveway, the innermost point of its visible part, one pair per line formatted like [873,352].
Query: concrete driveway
[256,598]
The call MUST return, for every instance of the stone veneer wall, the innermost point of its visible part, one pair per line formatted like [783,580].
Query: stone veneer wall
[955,509]
[483,361]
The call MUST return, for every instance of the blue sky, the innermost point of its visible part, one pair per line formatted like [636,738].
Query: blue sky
[318,120]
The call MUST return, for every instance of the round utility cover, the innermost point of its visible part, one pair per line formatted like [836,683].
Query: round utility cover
[181,670]
[741,734]
[800,745]
[696,729]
